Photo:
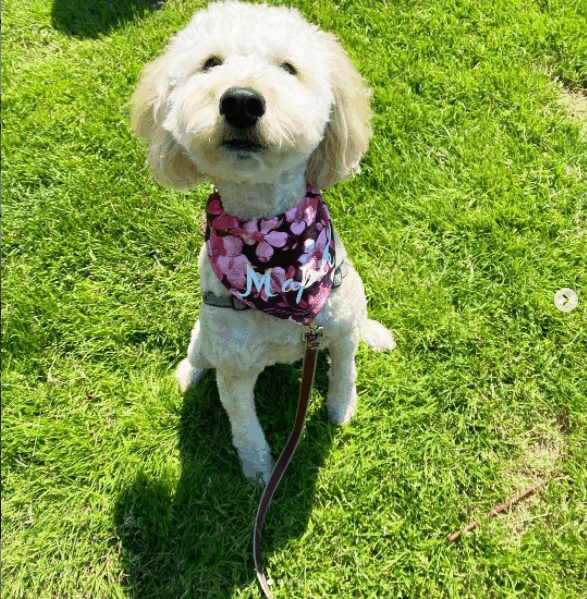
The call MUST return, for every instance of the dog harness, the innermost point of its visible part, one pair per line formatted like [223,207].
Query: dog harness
[284,266]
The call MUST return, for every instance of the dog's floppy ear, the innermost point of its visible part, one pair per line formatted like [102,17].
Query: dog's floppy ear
[168,160]
[347,134]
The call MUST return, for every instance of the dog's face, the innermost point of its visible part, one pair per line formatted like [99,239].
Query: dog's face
[246,92]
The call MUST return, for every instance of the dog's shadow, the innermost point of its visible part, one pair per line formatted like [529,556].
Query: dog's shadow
[194,538]
[90,18]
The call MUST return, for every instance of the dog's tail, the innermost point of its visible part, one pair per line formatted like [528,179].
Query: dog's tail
[376,336]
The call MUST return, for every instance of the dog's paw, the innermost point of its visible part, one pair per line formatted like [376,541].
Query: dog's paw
[341,412]
[376,336]
[187,376]
[257,466]
[257,475]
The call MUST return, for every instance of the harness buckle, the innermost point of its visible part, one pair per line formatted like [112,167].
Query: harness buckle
[237,304]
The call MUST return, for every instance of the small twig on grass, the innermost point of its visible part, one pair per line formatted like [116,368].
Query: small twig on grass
[504,506]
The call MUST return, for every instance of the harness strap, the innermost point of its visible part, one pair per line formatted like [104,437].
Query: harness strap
[230,301]
[312,339]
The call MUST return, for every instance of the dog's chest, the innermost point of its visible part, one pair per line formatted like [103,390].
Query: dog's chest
[251,339]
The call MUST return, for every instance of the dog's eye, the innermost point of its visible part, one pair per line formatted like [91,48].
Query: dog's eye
[212,62]
[287,66]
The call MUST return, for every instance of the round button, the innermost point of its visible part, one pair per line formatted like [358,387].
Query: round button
[566,299]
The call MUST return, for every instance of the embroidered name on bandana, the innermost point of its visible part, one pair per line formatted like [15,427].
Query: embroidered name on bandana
[283,265]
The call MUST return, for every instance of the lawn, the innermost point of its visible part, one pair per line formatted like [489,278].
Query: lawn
[470,213]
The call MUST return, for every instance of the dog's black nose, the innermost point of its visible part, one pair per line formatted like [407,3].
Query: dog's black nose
[241,106]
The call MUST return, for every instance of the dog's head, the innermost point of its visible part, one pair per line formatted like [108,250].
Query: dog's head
[246,92]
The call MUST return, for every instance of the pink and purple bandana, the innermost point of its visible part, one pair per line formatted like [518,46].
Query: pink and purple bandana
[283,265]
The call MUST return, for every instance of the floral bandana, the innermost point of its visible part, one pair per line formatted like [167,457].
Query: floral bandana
[283,265]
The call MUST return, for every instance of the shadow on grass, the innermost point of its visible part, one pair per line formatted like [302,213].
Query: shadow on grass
[90,18]
[194,538]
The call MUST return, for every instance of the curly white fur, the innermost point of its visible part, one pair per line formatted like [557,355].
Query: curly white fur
[315,128]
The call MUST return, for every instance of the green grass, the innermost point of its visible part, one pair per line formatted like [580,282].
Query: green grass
[469,214]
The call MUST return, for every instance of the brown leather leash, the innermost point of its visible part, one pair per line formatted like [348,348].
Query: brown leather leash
[312,338]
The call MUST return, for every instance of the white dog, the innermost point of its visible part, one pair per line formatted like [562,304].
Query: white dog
[261,102]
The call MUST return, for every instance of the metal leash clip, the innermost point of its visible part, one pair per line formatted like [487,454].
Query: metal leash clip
[312,335]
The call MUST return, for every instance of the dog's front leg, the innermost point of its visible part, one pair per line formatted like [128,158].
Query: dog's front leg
[236,389]
[190,370]
[341,400]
